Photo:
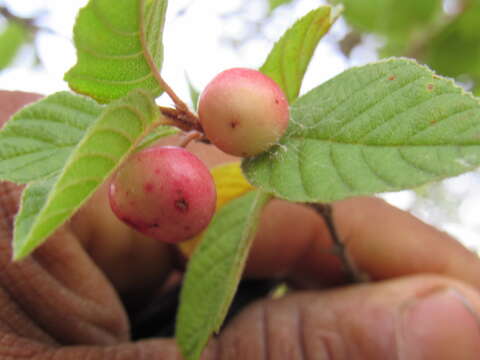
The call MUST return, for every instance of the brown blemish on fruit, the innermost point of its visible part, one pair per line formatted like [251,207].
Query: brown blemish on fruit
[392,77]
[181,205]
[277,101]
[234,124]
[149,187]
[429,87]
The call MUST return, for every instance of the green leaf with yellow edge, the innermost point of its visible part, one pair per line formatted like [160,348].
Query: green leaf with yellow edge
[11,40]
[215,270]
[288,61]
[37,141]
[385,126]
[47,205]
[229,184]
[119,48]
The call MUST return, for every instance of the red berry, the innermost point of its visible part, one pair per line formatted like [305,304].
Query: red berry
[243,112]
[166,193]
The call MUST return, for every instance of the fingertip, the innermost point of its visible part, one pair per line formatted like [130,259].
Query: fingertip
[386,242]
[293,243]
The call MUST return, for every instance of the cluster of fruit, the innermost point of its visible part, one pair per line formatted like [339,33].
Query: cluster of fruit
[166,192]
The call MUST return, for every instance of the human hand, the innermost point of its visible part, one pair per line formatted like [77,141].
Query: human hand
[64,301]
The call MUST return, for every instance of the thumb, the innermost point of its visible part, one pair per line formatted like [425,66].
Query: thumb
[419,317]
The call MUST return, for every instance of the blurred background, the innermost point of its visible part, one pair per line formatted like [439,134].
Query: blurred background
[204,37]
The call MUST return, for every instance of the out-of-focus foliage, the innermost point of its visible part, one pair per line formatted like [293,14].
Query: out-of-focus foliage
[455,50]
[397,21]
[447,38]
[273,4]
[12,38]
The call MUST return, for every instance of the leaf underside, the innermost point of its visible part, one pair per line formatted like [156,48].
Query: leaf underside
[386,126]
[48,204]
[119,48]
[36,142]
[214,272]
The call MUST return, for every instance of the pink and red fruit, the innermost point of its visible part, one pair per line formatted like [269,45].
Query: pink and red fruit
[243,112]
[165,192]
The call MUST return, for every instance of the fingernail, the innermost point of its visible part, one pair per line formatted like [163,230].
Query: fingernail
[440,325]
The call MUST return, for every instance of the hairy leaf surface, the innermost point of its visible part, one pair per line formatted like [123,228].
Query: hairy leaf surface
[119,48]
[36,142]
[47,205]
[386,126]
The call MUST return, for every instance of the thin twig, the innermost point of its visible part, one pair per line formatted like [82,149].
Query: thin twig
[180,119]
[188,137]
[182,109]
[339,248]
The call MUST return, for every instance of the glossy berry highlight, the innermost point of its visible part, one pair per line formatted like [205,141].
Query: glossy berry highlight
[165,192]
[243,112]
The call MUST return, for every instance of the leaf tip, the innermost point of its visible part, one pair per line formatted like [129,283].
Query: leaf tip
[19,253]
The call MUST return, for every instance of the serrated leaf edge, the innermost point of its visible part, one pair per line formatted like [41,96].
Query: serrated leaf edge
[18,252]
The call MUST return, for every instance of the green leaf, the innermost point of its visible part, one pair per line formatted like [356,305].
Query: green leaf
[273,4]
[36,142]
[158,133]
[214,272]
[119,48]
[194,94]
[11,40]
[386,126]
[47,205]
[287,62]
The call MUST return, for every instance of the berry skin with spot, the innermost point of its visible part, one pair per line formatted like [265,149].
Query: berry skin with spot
[165,192]
[243,112]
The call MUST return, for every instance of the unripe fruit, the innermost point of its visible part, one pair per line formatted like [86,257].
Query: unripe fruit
[243,112]
[165,192]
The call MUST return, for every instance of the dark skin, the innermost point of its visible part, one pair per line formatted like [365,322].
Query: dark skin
[63,302]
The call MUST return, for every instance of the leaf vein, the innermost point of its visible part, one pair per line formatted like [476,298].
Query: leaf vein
[387,95]
[107,23]
[109,81]
[374,171]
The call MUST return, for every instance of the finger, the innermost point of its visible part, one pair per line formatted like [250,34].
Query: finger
[58,286]
[387,242]
[123,254]
[135,264]
[382,241]
[422,317]
[16,348]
